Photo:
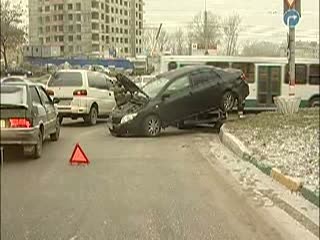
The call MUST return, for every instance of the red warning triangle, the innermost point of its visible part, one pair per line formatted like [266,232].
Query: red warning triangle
[78,156]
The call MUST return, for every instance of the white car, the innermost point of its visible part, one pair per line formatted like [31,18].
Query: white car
[82,94]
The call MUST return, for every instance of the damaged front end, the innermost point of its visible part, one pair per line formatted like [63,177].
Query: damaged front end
[130,99]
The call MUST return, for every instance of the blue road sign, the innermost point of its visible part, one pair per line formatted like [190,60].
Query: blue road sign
[291,18]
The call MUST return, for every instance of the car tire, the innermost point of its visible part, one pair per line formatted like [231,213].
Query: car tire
[228,101]
[92,117]
[36,150]
[152,126]
[55,136]
[60,120]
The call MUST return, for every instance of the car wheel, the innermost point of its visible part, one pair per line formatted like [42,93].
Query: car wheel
[152,126]
[36,150]
[91,119]
[60,120]
[228,101]
[55,136]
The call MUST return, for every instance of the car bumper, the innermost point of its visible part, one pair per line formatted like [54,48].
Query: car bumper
[69,111]
[127,129]
[19,136]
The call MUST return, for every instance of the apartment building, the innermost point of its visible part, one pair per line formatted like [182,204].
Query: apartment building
[87,27]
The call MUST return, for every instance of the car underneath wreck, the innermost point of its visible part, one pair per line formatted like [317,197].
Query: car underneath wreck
[197,94]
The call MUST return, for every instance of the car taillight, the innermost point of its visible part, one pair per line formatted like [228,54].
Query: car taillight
[50,92]
[20,123]
[80,93]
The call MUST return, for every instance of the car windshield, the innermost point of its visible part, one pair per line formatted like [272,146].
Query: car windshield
[65,79]
[154,87]
[13,95]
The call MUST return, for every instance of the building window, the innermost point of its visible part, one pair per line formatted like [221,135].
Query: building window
[70,38]
[78,28]
[70,6]
[112,30]
[79,37]
[125,12]
[117,40]
[112,10]
[102,38]
[121,40]
[126,31]
[117,30]
[70,17]
[70,49]
[102,5]
[116,10]
[62,49]
[102,16]
[60,17]
[60,7]
[47,28]
[126,50]
[121,21]
[78,17]
[47,39]
[112,19]
[60,28]
[107,29]
[126,22]
[126,40]
[78,6]
[70,28]
[40,30]
[47,9]
[121,30]
[112,39]
[61,39]
[47,19]
[107,39]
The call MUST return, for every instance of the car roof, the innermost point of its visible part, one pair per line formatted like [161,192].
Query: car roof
[184,70]
[26,82]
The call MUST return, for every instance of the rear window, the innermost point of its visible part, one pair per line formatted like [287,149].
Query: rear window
[66,79]
[13,95]
[314,76]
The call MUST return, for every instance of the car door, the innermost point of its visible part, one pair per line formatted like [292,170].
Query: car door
[206,90]
[50,110]
[176,100]
[39,111]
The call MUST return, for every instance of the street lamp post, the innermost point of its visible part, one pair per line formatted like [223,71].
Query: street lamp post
[206,40]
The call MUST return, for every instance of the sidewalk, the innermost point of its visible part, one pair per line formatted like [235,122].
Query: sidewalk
[285,148]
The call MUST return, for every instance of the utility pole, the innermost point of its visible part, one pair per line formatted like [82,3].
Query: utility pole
[206,40]
[292,60]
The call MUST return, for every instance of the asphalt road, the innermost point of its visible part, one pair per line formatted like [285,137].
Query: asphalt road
[134,188]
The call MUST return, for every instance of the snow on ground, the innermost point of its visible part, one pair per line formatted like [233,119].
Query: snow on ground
[289,143]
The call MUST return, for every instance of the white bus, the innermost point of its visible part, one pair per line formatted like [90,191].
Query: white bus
[266,76]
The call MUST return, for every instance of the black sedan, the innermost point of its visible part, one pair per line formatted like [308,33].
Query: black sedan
[28,116]
[174,97]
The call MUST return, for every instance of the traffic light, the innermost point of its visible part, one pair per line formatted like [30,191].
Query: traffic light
[292,4]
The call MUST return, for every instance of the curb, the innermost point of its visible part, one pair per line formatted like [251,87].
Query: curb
[294,185]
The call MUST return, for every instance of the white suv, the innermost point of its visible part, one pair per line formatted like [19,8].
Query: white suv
[82,93]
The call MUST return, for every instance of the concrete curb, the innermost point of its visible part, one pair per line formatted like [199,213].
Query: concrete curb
[294,185]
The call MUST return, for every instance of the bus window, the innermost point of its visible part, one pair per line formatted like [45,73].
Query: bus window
[172,66]
[247,69]
[314,76]
[218,64]
[301,74]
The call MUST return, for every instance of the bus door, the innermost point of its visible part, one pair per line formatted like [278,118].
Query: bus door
[269,84]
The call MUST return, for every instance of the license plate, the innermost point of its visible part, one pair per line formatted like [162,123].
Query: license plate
[64,102]
[2,124]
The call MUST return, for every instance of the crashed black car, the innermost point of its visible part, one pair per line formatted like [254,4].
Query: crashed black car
[174,97]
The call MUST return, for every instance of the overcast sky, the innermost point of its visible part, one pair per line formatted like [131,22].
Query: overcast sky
[261,19]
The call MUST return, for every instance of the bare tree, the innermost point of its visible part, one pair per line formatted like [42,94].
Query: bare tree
[231,29]
[178,41]
[12,35]
[150,41]
[198,30]
[261,49]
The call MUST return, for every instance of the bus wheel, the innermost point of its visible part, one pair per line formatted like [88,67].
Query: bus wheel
[315,102]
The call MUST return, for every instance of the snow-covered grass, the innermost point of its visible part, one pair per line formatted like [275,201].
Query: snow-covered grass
[290,143]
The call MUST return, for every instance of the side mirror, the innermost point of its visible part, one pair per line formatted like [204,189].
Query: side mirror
[165,96]
[56,100]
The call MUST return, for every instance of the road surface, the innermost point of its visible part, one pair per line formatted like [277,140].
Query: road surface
[134,188]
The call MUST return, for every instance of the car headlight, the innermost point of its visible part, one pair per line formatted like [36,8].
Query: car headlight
[128,118]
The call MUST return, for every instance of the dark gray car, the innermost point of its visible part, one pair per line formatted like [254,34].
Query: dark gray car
[28,117]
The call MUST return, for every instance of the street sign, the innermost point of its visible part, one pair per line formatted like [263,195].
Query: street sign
[292,4]
[291,18]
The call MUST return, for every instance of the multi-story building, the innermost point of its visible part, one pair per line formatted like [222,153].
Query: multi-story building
[87,27]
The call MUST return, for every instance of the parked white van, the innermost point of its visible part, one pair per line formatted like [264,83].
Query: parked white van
[82,94]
